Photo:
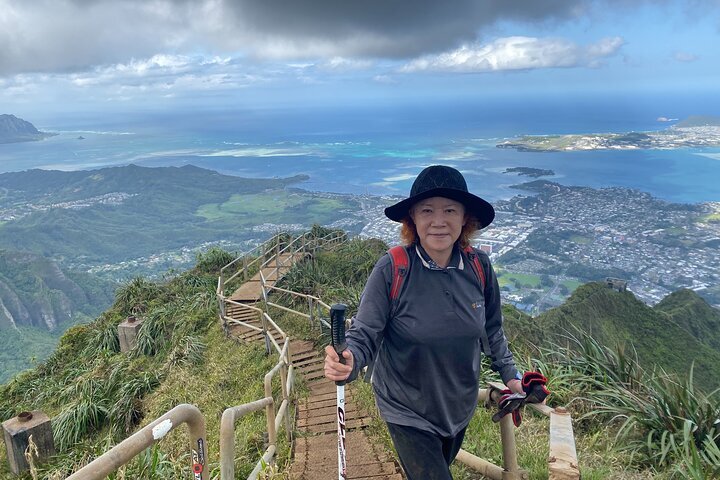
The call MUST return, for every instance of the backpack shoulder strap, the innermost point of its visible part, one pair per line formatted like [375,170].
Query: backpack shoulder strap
[400,264]
[476,265]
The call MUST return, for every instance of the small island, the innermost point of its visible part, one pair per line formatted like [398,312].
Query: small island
[530,172]
[14,129]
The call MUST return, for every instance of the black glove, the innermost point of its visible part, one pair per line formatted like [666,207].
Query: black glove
[533,384]
[510,403]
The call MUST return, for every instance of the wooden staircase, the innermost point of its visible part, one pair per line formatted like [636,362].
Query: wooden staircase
[315,445]
[251,291]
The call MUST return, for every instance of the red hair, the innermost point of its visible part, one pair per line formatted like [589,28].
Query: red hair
[408,231]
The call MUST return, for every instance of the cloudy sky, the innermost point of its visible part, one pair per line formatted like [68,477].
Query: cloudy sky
[154,53]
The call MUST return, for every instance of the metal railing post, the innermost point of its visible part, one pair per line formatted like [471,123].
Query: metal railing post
[266,332]
[312,314]
[286,398]
[223,316]
[227,434]
[507,436]
[270,412]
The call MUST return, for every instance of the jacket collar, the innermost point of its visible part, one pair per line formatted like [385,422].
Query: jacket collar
[456,260]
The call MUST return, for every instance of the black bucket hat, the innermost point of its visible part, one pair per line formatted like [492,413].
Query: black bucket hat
[442,181]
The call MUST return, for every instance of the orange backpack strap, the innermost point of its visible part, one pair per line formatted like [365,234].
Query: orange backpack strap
[476,265]
[400,264]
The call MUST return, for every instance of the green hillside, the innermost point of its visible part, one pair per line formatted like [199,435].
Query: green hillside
[628,425]
[115,214]
[692,313]
[38,301]
[613,318]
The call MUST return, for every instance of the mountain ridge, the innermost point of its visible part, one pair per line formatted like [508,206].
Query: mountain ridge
[618,318]
[14,129]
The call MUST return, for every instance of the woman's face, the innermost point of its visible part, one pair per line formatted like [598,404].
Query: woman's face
[439,222]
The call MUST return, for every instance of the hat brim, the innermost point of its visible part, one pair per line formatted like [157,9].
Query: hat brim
[473,204]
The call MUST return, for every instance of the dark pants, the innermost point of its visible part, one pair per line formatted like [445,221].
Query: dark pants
[425,455]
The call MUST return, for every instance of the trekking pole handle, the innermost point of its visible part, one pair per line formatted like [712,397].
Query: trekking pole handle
[337,332]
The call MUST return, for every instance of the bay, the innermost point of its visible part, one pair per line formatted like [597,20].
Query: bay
[380,149]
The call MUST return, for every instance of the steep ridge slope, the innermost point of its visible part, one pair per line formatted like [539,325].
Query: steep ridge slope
[612,317]
[38,301]
[692,313]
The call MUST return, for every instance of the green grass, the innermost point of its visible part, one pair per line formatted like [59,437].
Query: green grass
[571,284]
[276,206]
[505,278]
[580,239]
[98,395]
[711,218]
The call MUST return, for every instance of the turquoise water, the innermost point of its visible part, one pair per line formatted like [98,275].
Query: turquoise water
[375,150]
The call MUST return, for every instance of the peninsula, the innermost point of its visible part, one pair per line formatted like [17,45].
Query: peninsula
[14,129]
[693,132]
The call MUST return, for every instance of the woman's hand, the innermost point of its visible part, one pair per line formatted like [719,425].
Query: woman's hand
[515,386]
[334,370]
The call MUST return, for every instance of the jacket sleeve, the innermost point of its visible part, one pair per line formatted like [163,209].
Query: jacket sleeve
[502,359]
[366,331]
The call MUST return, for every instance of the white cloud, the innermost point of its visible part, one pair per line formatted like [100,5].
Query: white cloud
[517,53]
[387,79]
[685,57]
[399,178]
[345,64]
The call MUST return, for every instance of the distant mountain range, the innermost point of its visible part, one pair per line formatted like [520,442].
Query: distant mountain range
[677,331]
[116,214]
[14,129]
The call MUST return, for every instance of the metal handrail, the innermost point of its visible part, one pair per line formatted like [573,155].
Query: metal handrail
[274,419]
[259,248]
[284,366]
[126,450]
[227,434]
[562,461]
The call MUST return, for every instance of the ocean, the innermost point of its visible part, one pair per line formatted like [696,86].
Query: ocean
[379,148]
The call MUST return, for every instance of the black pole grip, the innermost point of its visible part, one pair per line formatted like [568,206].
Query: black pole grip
[337,331]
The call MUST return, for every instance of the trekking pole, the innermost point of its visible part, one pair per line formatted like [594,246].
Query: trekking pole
[337,332]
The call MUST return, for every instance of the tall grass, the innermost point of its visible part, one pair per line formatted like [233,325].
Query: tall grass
[662,420]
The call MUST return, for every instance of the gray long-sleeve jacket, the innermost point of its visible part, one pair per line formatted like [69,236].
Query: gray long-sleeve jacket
[428,355]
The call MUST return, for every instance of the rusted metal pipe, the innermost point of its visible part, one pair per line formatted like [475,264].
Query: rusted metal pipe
[270,409]
[227,434]
[481,466]
[507,436]
[266,460]
[126,450]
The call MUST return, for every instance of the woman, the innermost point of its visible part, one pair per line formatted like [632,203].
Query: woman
[427,345]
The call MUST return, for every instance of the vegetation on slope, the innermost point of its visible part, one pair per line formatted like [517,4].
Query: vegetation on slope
[618,318]
[38,302]
[632,420]
[152,210]
[98,396]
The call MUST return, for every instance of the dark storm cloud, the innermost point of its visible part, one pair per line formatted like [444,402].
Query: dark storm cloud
[71,35]
[389,28]
[77,35]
